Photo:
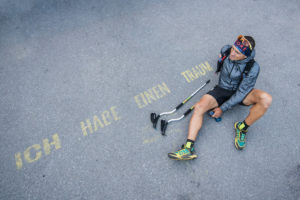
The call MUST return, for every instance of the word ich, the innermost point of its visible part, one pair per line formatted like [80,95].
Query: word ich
[34,153]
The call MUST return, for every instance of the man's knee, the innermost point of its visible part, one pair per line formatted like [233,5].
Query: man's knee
[206,103]
[265,99]
[199,108]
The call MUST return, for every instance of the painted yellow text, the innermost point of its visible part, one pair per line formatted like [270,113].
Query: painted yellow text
[152,94]
[107,117]
[34,152]
[197,71]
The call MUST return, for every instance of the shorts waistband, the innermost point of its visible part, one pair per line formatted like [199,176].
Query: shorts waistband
[225,89]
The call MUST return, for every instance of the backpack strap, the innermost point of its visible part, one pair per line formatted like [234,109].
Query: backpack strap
[248,67]
[221,60]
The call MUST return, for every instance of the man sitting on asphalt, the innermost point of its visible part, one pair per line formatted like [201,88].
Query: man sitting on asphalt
[235,87]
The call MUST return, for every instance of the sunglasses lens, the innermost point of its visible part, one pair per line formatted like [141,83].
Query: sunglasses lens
[244,41]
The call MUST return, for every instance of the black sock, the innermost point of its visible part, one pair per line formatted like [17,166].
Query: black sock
[189,143]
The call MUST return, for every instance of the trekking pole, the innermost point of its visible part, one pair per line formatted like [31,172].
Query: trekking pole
[164,123]
[154,117]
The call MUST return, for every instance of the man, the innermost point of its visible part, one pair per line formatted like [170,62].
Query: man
[234,87]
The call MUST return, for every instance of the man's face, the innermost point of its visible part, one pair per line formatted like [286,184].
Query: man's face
[235,54]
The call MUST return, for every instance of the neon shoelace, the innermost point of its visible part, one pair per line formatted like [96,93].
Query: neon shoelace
[183,152]
[243,137]
[237,134]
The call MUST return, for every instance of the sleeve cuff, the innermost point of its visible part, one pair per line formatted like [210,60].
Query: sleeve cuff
[222,108]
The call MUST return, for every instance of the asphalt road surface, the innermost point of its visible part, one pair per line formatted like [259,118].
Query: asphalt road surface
[79,79]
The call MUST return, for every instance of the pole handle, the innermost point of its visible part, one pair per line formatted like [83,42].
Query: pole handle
[179,106]
[188,111]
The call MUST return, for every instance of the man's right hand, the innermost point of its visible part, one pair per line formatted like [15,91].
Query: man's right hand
[217,112]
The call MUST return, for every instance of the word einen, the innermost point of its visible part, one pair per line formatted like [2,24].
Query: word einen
[152,94]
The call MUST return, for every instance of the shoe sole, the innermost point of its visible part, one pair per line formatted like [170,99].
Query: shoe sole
[237,147]
[176,158]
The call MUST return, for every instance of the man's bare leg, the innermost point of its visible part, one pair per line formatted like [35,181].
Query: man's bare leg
[206,103]
[261,101]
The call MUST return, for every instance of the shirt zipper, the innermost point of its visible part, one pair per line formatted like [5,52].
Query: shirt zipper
[230,73]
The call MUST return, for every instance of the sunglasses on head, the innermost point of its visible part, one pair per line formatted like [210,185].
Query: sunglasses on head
[244,41]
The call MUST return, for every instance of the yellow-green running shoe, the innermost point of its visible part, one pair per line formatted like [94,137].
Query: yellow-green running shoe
[183,154]
[240,136]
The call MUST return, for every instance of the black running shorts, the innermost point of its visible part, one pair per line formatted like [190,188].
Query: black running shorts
[220,94]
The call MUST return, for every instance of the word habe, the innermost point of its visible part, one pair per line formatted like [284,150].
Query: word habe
[107,117]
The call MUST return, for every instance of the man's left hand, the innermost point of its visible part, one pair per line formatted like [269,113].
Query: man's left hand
[217,112]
